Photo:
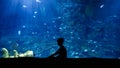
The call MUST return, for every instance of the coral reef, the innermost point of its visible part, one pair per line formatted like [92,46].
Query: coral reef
[6,54]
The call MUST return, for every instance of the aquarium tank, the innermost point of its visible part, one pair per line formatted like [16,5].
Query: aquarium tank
[91,28]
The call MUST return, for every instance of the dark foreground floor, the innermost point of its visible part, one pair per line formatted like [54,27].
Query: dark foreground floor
[59,62]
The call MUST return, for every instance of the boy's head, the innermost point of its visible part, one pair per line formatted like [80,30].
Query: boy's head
[60,41]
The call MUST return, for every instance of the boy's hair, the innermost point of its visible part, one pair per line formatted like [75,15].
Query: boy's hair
[61,40]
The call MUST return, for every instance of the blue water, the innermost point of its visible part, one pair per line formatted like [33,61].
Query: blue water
[91,28]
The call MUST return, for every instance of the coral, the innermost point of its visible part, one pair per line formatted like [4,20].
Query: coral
[26,54]
[6,54]
[15,53]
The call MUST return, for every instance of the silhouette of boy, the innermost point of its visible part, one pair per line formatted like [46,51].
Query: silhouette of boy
[61,52]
